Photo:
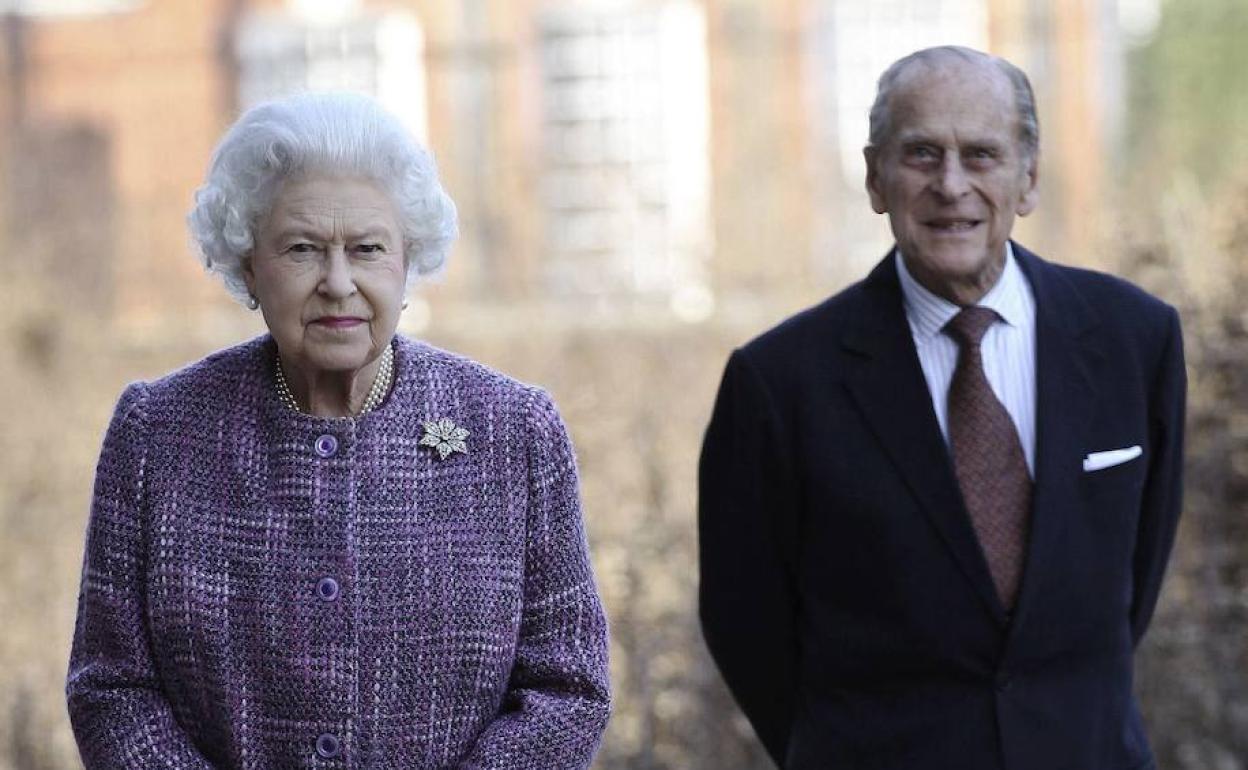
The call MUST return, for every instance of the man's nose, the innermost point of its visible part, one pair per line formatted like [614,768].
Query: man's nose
[951,180]
[336,277]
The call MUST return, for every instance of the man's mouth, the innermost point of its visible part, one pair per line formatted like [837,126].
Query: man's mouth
[953,224]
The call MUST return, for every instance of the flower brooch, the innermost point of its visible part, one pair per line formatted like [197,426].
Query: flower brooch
[444,436]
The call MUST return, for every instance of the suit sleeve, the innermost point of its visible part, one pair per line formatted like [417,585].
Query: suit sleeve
[558,700]
[118,710]
[746,521]
[1163,492]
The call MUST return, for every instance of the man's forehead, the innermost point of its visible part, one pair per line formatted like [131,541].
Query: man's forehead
[945,101]
[945,71]
[976,136]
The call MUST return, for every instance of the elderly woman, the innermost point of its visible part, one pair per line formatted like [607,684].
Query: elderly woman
[332,546]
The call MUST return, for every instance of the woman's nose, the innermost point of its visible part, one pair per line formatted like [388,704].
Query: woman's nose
[336,278]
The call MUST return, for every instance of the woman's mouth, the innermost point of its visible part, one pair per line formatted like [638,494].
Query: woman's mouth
[338,322]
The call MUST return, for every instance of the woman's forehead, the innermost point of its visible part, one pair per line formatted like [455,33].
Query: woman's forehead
[318,200]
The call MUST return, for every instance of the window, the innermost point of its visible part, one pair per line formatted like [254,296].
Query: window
[340,48]
[626,160]
[51,8]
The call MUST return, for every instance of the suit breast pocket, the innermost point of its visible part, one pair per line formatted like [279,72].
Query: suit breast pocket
[1121,480]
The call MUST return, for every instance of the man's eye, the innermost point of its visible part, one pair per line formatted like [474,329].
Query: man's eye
[301,248]
[923,152]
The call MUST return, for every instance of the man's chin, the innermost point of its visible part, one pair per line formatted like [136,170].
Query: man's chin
[941,269]
[956,256]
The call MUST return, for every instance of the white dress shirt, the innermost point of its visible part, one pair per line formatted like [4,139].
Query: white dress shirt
[1008,348]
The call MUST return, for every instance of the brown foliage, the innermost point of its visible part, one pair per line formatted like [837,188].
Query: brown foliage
[1193,668]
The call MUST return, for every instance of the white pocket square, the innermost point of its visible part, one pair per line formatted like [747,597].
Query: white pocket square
[1096,461]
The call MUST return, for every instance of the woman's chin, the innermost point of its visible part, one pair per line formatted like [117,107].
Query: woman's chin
[343,357]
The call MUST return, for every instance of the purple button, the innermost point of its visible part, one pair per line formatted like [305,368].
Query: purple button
[326,445]
[327,588]
[327,745]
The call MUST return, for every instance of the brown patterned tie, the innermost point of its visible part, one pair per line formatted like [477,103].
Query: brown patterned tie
[987,457]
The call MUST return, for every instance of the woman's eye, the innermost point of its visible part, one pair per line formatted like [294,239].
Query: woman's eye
[301,248]
[370,248]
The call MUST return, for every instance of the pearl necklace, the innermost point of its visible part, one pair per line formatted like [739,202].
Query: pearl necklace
[381,385]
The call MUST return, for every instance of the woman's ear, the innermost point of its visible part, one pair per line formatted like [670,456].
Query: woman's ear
[249,275]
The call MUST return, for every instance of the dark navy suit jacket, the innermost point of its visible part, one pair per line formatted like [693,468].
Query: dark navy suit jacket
[844,594]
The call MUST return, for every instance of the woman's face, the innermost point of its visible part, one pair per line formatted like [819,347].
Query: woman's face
[328,271]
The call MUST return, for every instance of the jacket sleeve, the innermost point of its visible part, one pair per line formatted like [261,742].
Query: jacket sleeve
[746,520]
[558,700]
[1163,491]
[119,714]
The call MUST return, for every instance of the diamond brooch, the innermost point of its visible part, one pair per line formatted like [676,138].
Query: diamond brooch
[444,436]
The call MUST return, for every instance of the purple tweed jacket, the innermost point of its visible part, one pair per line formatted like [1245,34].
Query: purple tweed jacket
[265,589]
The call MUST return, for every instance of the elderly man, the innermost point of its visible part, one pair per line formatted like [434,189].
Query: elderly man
[935,509]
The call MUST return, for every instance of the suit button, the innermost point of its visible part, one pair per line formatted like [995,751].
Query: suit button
[1004,682]
[327,745]
[327,588]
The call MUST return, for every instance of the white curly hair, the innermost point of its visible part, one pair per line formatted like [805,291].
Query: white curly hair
[334,133]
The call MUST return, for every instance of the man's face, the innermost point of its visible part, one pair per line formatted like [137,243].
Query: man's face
[952,175]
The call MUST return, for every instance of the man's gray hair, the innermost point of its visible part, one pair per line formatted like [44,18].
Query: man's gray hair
[332,133]
[1024,97]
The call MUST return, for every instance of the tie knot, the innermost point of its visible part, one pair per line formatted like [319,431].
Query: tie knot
[968,327]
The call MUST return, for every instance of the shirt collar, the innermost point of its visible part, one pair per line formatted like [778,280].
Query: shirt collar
[928,313]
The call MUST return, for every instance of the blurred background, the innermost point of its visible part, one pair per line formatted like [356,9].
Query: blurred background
[643,184]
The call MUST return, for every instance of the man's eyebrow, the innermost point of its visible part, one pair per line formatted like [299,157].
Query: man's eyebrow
[915,137]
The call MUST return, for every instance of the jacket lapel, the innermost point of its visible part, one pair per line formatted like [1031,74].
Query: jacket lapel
[1066,362]
[889,388]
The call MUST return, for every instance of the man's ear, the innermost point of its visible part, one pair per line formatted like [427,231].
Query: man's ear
[1031,191]
[874,189]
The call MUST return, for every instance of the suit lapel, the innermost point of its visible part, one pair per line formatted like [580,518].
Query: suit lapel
[889,388]
[1066,363]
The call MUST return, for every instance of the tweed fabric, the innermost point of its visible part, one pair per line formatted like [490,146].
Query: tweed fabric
[988,458]
[465,631]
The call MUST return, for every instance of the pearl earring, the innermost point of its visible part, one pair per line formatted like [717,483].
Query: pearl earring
[253,302]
